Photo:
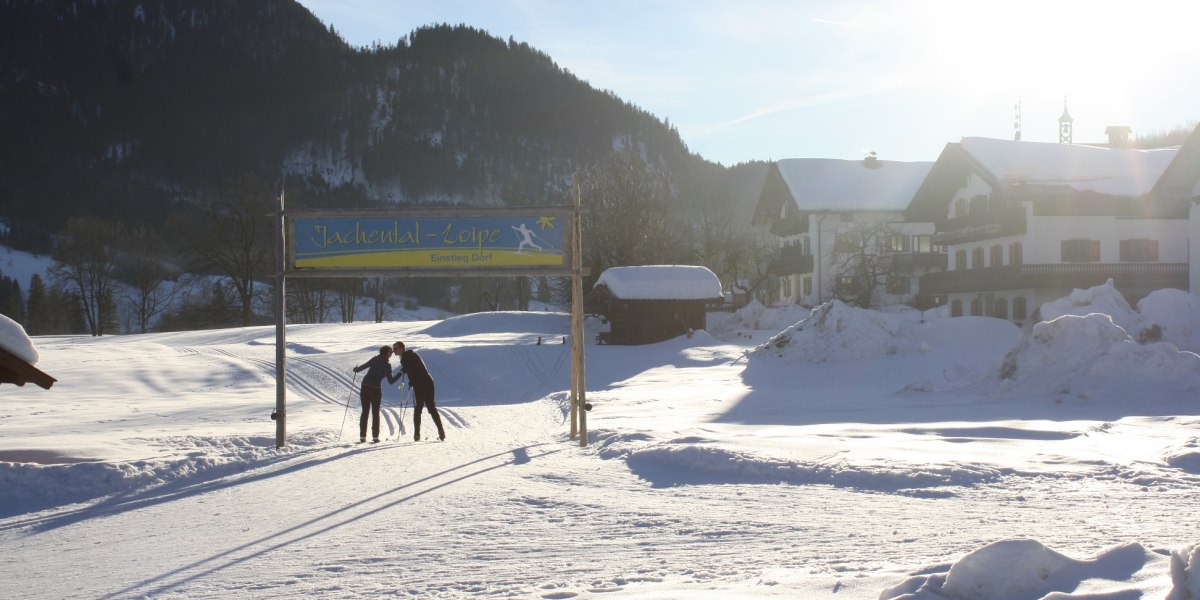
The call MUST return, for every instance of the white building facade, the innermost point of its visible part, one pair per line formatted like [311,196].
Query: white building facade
[1024,223]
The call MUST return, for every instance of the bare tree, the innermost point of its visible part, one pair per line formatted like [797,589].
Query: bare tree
[232,237]
[142,267]
[86,265]
[862,260]
[628,218]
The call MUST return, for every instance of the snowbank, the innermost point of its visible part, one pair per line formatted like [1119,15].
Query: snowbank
[1176,313]
[556,323]
[1166,315]
[1027,570]
[14,339]
[836,331]
[756,317]
[1071,349]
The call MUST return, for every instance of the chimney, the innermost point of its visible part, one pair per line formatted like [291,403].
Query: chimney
[871,161]
[1118,136]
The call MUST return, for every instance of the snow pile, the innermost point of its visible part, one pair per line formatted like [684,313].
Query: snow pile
[1023,570]
[1071,349]
[556,323]
[835,331]
[14,339]
[1167,315]
[1103,299]
[1185,573]
[1176,314]
[756,317]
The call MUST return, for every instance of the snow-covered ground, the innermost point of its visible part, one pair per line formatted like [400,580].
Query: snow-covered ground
[846,454]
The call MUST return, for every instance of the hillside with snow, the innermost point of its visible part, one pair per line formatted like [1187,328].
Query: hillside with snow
[834,453]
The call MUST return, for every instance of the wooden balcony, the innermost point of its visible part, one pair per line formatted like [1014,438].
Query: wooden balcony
[794,225]
[791,262]
[919,262]
[1133,279]
[988,225]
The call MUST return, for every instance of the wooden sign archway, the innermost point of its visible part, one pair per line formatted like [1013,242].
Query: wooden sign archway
[533,241]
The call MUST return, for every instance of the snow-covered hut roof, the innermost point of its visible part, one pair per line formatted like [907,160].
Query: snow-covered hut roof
[833,184]
[1113,171]
[661,282]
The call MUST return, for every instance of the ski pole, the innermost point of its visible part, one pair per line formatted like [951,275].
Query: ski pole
[353,380]
[403,408]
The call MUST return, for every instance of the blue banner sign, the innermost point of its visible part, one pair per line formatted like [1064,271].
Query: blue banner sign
[443,242]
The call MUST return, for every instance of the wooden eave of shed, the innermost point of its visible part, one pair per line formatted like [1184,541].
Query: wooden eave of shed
[14,370]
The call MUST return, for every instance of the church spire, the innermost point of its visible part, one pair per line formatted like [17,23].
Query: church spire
[1064,125]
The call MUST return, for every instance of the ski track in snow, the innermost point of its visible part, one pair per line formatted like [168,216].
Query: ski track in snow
[509,506]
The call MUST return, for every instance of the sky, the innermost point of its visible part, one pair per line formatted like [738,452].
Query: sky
[778,453]
[765,80]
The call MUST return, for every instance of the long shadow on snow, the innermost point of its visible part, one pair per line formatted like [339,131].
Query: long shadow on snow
[179,488]
[872,392]
[520,455]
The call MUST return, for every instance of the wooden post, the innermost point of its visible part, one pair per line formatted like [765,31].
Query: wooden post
[578,378]
[280,327]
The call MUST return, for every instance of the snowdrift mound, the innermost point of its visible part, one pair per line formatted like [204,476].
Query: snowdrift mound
[756,317]
[1166,315]
[836,331]
[1104,299]
[1022,570]
[1175,314]
[1073,348]
[554,323]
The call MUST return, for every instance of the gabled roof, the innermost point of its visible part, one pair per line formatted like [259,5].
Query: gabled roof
[1181,179]
[661,282]
[826,184]
[1112,171]
[1029,165]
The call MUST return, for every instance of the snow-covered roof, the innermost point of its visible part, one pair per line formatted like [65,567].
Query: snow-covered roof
[833,184]
[1114,171]
[14,339]
[661,282]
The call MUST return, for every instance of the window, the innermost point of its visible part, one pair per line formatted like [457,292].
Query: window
[960,208]
[1019,311]
[960,260]
[1015,255]
[847,217]
[977,258]
[808,286]
[976,307]
[845,242]
[1081,250]
[956,308]
[997,256]
[845,283]
[922,243]
[1139,250]
[1000,308]
[898,285]
[898,243]
[979,204]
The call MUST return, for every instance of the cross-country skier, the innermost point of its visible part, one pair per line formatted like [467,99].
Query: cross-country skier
[422,386]
[526,235]
[371,392]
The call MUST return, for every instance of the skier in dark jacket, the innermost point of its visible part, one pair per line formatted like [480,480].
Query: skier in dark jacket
[371,392]
[422,385]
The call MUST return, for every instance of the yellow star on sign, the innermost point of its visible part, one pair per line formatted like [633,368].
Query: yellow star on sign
[546,222]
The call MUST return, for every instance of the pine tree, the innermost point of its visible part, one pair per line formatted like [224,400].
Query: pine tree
[36,306]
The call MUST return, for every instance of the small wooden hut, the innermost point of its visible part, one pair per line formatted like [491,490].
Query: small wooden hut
[653,303]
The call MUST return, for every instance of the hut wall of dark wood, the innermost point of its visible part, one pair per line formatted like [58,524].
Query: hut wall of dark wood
[649,321]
